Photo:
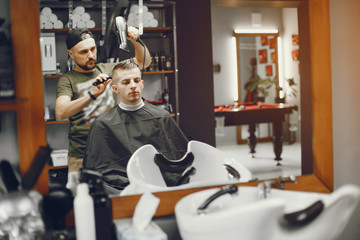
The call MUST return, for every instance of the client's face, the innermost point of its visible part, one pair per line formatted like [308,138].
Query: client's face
[128,84]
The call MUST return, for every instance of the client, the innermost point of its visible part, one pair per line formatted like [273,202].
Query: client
[120,131]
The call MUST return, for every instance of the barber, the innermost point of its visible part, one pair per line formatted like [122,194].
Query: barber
[77,98]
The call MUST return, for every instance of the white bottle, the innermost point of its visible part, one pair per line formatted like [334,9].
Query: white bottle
[73,181]
[84,213]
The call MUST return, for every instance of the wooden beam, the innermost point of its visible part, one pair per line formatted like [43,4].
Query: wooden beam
[28,84]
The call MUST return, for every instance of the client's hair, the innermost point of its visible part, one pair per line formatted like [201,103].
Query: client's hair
[125,65]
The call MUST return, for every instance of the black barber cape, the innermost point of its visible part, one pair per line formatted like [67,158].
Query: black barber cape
[118,133]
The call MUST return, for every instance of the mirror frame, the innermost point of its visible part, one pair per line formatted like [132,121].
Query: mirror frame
[30,113]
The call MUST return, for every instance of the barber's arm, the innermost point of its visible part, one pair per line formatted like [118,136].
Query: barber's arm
[133,34]
[65,107]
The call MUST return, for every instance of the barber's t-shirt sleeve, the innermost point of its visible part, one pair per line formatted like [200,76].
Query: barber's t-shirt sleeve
[64,87]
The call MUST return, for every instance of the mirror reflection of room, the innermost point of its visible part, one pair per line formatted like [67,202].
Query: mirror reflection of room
[157,59]
[260,66]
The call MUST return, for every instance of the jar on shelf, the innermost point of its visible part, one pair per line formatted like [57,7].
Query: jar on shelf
[168,63]
[162,62]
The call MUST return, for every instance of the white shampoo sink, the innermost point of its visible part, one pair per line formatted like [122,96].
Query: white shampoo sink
[244,216]
[212,167]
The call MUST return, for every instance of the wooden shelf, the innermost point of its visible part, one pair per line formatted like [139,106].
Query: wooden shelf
[11,105]
[56,122]
[52,76]
[57,167]
[158,72]
[98,30]
[97,4]
[145,72]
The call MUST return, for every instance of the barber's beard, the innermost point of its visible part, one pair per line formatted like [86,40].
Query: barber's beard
[89,65]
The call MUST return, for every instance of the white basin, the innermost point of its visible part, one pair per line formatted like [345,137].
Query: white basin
[245,217]
[145,176]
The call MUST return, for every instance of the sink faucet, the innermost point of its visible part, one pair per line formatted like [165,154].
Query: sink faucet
[264,189]
[231,189]
[281,181]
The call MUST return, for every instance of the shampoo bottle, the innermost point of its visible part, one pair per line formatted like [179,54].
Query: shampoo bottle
[84,213]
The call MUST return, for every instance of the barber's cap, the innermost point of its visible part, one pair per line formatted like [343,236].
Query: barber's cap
[75,36]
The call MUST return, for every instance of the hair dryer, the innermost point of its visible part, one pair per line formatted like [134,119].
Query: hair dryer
[121,32]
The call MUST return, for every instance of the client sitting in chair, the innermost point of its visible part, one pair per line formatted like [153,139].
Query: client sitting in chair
[119,132]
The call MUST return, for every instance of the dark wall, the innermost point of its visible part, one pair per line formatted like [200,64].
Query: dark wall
[196,88]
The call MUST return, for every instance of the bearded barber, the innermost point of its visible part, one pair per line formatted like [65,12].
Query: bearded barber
[76,96]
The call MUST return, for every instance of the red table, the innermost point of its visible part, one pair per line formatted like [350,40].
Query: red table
[251,114]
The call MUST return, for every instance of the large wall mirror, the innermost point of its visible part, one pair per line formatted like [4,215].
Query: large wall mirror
[268,51]
[317,164]
[316,96]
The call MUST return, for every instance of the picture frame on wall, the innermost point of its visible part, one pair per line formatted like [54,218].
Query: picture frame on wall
[272,43]
[295,39]
[264,40]
[273,57]
[263,56]
[295,54]
[269,71]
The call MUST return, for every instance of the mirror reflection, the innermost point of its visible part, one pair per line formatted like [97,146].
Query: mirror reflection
[257,60]
[265,70]
[78,77]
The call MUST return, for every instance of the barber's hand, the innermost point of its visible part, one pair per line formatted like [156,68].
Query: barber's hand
[133,33]
[100,88]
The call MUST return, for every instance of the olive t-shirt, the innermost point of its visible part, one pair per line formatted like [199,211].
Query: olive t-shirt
[75,85]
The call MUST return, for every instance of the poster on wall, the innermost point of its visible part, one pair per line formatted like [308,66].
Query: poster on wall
[263,56]
[295,39]
[269,71]
[273,57]
[295,54]
[264,40]
[272,43]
